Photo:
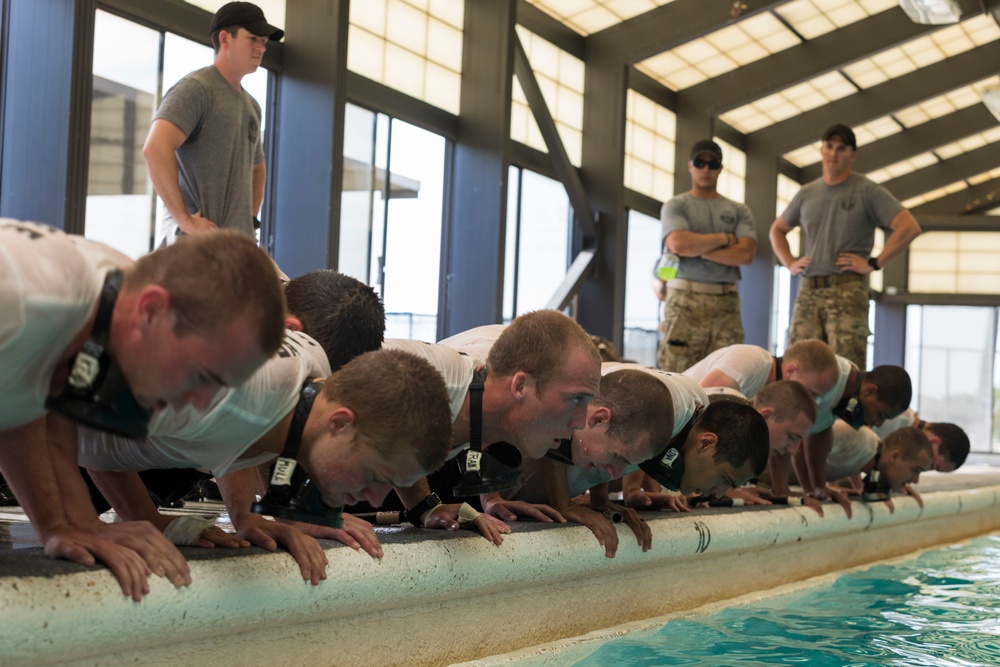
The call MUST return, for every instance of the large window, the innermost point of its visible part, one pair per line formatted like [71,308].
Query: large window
[412,46]
[650,142]
[560,77]
[642,307]
[133,67]
[539,222]
[390,223]
[953,357]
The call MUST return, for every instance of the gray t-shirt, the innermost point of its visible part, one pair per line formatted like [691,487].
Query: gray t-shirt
[216,161]
[839,218]
[707,216]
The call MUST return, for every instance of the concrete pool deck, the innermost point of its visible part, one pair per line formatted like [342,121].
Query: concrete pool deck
[438,598]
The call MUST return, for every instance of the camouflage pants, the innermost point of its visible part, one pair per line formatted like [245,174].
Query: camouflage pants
[837,315]
[694,325]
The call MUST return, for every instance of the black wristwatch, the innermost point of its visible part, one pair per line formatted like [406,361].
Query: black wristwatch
[873,262]
[414,513]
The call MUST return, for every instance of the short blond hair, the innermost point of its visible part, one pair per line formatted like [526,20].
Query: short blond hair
[812,356]
[538,343]
[639,403]
[909,441]
[399,403]
[788,399]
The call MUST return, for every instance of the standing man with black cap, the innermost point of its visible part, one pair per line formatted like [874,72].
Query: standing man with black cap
[204,149]
[838,214]
[711,237]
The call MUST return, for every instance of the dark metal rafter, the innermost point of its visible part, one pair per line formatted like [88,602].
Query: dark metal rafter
[670,25]
[883,99]
[805,61]
[945,173]
[978,198]
[567,173]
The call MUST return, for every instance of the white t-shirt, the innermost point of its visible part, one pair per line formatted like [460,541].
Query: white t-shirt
[477,341]
[828,401]
[456,368]
[216,437]
[687,396]
[49,286]
[851,450]
[747,365]
[908,418]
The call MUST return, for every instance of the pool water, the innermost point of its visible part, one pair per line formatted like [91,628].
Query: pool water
[941,608]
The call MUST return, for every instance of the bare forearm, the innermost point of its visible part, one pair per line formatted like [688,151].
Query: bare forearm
[693,244]
[778,235]
[599,496]
[127,494]
[410,496]
[161,164]
[554,483]
[778,465]
[632,482]
[904,229]
[259,179]
[238,491]
[61,437]
[27,468]
[817,448]
[740,254]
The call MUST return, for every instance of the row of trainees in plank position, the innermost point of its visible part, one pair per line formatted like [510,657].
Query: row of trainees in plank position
[197,356]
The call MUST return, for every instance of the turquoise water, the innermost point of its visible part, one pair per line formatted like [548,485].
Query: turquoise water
[941,608]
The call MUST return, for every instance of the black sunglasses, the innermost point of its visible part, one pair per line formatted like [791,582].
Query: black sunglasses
[701,164]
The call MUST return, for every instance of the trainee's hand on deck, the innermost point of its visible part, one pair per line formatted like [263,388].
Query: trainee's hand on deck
[509,510]
[832,493]
[86,548]
[645,500]
[748,494]
[305,550]
[213,536]
[149,542]
[445,517]
[355,533]
[910,491]
[631,518]
[602,528]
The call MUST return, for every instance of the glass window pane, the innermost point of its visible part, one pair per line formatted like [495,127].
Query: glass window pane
[398,43]
[543,241]
[950,356]
[120,200]
[642,307]
[359,194]
[413,232]
[649,147]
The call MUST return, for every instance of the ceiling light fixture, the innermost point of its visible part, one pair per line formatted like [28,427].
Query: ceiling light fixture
[931,12]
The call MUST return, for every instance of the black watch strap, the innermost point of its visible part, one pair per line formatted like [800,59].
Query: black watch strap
[873,262]
[414,513]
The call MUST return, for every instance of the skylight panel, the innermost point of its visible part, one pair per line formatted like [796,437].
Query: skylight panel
[589,16]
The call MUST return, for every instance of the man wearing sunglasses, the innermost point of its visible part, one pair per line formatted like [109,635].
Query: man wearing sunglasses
[711,237]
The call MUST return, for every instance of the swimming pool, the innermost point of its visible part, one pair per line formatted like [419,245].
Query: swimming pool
[437,598]
[941,608]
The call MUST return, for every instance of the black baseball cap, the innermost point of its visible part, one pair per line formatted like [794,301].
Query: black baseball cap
[706,146]
[245,15]
[845,133]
